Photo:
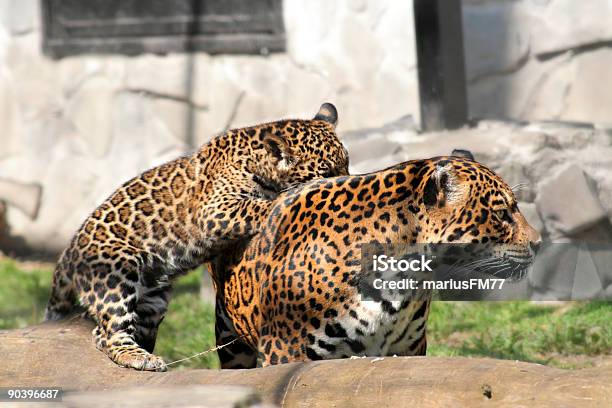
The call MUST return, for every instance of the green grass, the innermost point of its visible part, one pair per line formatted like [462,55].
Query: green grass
[189,326]
[570,336]
[23,295]
[521,331]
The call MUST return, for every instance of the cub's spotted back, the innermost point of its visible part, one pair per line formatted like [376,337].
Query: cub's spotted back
[121,262]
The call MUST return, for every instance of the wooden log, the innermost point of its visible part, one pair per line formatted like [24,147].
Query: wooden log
[62,355]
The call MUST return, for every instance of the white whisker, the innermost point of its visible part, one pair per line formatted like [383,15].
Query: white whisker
[518,187]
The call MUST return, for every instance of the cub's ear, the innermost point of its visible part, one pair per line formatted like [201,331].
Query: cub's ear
[328,113]
[441,186]
[466,154]
[278,148]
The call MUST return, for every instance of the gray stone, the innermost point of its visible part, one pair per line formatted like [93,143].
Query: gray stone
[364,52]
[371,147]
[506,42]
[553,272]
[530,212]
[90,110]
[598,239]
[113,116]
[571,270]
[565,24]
[548,83]
[19,16]
[598,234]
[377,148]
[137,128]
[499,94]
[515,176]
[587,283]
[163,75]
[175,117]
[586,99]
[25,197]
[11,120]
[569,203]
[367,166]
[493,44]
[606,294]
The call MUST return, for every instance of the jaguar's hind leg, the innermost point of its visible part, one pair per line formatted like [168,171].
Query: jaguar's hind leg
[235,353]
[62,300]
[151,310]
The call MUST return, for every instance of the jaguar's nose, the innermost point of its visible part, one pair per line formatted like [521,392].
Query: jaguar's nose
[535,246]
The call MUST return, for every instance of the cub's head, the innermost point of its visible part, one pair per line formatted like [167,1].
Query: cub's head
[303,150]
[469,204]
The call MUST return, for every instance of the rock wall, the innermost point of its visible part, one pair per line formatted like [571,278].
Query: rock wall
[562,174]
[539,59]
[80,126]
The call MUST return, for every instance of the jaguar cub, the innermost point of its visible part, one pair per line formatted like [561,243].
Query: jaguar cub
[120,264]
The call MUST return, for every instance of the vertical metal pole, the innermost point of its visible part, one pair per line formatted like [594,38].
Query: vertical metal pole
[441,66]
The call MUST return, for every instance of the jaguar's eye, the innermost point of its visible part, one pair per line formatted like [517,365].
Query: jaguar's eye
[504,215]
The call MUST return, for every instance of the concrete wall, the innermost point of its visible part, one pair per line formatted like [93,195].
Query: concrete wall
[565,176]
[539,59]
[80,126]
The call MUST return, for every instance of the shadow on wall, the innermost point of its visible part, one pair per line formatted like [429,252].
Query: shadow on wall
[23,197]
[495,48]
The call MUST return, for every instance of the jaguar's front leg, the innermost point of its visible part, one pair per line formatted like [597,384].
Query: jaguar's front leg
[116,314]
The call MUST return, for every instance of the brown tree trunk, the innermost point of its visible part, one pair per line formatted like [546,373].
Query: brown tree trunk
[62,355]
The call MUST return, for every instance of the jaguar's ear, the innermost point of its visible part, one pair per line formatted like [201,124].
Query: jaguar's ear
[328,113]
[466,154]
[441,186]
[278,148]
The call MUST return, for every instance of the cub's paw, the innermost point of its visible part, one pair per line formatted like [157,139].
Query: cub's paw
[142,361]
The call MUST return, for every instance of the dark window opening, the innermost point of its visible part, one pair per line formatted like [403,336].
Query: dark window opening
[134,27]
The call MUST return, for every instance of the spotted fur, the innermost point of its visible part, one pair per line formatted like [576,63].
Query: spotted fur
[120,265]
[292,293]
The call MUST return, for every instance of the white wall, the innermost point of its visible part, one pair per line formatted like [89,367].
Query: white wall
[539,59]
[82,125]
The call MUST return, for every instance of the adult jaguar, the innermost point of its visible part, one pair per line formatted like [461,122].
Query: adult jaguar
[120,264]
[292,293]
